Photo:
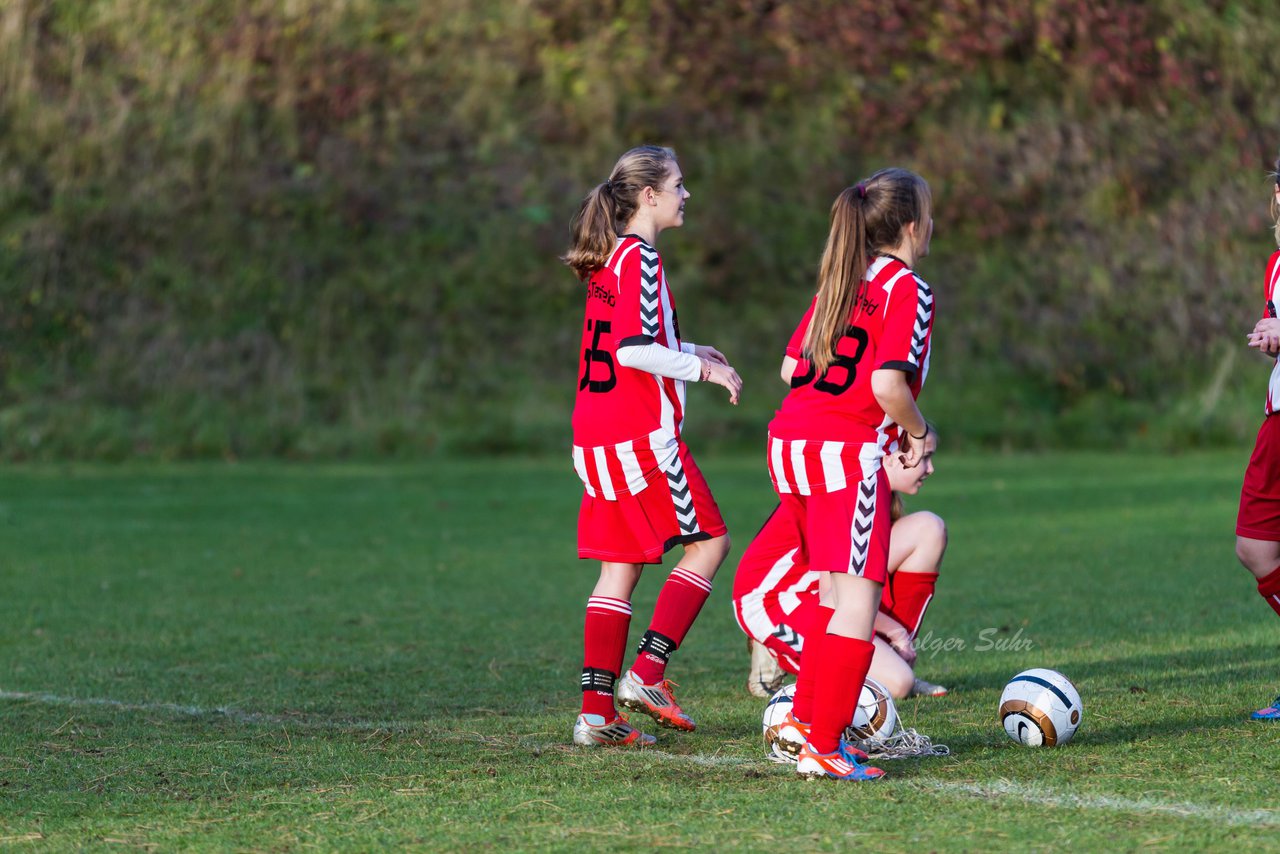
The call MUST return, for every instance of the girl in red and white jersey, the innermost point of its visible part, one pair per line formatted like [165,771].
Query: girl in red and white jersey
[643,492]
[851,365]
[1258,520]
[775,591]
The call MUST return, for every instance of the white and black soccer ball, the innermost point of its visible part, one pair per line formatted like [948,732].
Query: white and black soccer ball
[876,717]
[1040,707]
[775,712]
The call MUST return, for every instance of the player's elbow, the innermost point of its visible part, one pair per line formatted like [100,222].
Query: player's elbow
[788,369]
[629,356]
[888,385]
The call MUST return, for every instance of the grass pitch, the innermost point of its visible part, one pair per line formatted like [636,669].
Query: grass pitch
[356,657]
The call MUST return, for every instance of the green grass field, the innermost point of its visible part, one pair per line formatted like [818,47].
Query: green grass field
[297,657]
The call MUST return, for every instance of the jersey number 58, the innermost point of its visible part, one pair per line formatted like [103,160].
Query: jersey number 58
[846,362]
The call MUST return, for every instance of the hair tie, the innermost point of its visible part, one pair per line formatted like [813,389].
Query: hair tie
[862,190]
[608,185]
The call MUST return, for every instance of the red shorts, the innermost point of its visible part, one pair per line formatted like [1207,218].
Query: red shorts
[846,530]
[1259,516]
[675,508]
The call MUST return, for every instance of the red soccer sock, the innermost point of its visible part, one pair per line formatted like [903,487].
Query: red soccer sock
[842,671]
[815,633]
[679,602]
[1269,589]
[605,641]
[907,595]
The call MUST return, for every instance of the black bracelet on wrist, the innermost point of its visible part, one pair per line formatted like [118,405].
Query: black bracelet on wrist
[922,435]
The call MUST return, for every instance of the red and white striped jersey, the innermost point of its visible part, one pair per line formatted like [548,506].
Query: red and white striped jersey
[1269,310]
[626,422]
[831,431]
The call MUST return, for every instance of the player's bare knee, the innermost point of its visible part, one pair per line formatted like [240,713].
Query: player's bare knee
[929,533]
[618,579]
[1259,560]
[705,556]
[898,682]
[716,548]
[935,530]
[1243,555]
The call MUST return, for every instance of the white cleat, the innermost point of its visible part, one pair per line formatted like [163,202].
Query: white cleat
[921,688]
[766,674]
[595,731]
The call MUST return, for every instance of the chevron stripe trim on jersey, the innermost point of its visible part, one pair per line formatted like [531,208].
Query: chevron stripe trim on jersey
[681,497]
[790,637]
[864,518]
[650,304]
[924,315]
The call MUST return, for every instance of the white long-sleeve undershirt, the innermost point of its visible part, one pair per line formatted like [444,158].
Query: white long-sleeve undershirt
[654,358]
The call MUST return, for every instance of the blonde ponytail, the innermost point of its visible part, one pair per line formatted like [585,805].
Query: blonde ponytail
[844,264]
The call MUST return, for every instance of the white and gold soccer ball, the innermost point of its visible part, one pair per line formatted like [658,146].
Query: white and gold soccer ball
[775,712]
[1040,708]
[876,717]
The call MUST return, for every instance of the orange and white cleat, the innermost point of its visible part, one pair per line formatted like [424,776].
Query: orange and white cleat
[837,765]
[794,735]
[595,731]
[656,701]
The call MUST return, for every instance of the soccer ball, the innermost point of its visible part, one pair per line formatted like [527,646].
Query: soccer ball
[1040,707]
[775,712]
[876,717]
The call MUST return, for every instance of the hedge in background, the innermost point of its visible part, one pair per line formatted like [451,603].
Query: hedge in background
[322,228]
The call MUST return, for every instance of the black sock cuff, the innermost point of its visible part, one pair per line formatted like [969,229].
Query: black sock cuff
[656,643]
[595,679]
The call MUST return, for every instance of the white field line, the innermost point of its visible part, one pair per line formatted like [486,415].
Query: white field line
[1002,789]
[220,712]
[1044,796]
[708,761]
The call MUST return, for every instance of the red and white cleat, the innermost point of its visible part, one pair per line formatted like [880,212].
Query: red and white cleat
[656,701]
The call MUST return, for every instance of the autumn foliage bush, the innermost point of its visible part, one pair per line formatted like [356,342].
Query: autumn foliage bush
[315,228]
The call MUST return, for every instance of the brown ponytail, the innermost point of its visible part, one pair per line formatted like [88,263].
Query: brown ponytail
[865,218]
[611,205]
